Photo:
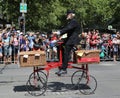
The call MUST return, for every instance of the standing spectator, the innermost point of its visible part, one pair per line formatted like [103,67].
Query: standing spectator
[45,41]
[31,38]
[115,47]
[110,46]
[88,36]
[1,51]
[118,36]
[22,41]
[6,46]
[15,46]
[26,45]
[93,40]
[82,43]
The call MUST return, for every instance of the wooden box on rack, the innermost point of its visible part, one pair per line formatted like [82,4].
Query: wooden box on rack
[32,58]
[87,56]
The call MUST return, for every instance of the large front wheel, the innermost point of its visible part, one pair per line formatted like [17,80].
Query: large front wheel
[76,77]
[37,83]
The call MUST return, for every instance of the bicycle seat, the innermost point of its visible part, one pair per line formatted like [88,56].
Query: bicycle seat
[60,42]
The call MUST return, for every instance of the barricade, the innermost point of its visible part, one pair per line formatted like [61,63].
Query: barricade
[107,54]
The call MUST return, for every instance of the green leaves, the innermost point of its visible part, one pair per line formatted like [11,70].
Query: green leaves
[49,14]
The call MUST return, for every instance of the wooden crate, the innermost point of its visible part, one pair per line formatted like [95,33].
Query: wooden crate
[87,56]
[32,58]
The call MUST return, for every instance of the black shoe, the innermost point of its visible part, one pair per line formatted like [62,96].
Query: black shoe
[61,72]
[57,72]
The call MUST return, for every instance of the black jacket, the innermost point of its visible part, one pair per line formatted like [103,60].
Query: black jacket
[72,29]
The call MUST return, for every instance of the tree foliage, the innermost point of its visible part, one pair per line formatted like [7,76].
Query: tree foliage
[50,14]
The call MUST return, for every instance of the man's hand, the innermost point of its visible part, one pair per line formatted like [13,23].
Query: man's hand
[55,33]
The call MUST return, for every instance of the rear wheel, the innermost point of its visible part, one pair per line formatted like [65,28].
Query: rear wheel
[88,86]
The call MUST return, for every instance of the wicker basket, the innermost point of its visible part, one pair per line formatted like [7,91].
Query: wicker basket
[87,56]
[32,58]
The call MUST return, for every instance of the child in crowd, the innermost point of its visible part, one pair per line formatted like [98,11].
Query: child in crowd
[53,47]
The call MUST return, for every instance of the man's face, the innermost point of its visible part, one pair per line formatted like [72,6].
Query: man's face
[69,16]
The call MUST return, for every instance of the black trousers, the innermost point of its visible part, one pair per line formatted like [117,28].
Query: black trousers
[66,55]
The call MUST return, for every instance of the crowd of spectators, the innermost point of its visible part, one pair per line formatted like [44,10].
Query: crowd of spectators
[13,41]
[109,44]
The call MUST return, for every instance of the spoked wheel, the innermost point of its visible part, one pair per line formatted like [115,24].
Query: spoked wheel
[37,83]
[87,85]
[76,77]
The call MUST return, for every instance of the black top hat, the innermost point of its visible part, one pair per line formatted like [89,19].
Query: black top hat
[70,11]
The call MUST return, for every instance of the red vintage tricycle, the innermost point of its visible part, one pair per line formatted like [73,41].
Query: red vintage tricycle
[37,83]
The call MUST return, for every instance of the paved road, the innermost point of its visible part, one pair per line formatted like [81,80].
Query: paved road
[13,80]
